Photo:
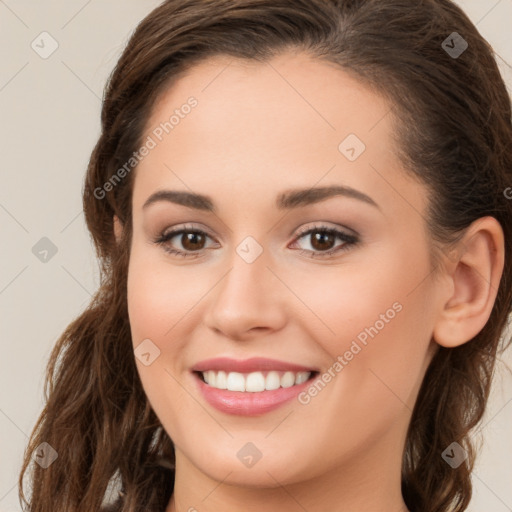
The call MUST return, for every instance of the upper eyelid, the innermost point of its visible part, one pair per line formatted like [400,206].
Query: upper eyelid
[323,225]
[320,225]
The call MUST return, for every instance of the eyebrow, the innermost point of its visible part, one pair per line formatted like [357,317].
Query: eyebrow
[288,200]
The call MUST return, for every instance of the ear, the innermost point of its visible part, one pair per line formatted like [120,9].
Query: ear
[118,228]
[474,275]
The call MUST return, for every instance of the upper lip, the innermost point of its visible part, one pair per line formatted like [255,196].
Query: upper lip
[254,364]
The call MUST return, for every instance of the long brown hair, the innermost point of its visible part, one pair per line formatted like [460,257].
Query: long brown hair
[453,122]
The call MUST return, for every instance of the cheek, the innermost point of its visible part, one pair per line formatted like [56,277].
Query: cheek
[381,336]
[159,296]
[378,319]
[353,301]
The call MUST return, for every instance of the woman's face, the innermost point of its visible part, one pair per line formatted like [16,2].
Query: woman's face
[255,286]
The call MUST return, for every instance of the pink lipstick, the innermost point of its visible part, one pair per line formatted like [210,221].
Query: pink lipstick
[250,387]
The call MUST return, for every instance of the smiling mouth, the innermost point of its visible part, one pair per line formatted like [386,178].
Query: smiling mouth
[254,382]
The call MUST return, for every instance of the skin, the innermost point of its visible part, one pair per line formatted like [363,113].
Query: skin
[251,137]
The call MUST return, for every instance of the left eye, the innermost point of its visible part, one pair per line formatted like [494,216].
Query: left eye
[193,240]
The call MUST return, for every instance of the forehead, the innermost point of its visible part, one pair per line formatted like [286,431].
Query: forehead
[262,126]
[288,88]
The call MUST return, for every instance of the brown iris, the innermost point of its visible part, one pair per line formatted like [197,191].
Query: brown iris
[192,241]
[320,239]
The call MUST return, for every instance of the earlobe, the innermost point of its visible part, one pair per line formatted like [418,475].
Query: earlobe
[475,278]
[118,228]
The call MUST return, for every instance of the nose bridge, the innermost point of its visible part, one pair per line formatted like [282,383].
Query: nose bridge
[245,297]
[249,278]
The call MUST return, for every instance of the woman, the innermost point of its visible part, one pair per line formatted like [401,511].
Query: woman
[301,215]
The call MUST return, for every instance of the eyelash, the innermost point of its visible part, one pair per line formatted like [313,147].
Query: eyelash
[349,240]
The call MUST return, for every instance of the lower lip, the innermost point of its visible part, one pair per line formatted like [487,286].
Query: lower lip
[248,403]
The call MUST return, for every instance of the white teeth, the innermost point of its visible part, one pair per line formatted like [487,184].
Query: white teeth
[288,380]
[221,381]
[254,382]
[236,381]
[272,381]
[302,377]
[209,376]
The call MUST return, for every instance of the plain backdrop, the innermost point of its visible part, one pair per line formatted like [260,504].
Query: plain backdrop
[50,115]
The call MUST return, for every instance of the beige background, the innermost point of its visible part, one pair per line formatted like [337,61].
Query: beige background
[50,111]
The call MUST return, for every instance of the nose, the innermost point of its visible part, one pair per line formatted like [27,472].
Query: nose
[248,301]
